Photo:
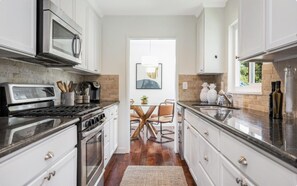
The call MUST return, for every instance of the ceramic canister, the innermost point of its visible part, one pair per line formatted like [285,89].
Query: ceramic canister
[212,93]
[203,93]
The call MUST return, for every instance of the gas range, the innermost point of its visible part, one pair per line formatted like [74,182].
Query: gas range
[27,101]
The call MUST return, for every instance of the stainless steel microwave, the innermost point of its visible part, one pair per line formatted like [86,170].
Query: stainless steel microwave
[58,36]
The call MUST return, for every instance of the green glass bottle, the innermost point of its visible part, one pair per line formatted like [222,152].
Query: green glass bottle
[277,101]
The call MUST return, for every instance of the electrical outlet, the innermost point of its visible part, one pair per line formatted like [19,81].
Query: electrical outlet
[185,85]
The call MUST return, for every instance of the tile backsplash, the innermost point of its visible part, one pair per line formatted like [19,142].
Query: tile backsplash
[109,86]
[21,72]
[194,86]
[270,72]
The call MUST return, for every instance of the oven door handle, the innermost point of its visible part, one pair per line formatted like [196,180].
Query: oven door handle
[93,131]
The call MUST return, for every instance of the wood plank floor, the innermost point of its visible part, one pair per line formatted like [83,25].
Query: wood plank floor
[144,152]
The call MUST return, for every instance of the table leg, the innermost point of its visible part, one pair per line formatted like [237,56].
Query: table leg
[143,118]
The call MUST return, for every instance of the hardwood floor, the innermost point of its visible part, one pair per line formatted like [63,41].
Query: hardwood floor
[144,152]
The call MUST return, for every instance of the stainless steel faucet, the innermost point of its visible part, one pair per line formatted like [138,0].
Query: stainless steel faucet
[225,96]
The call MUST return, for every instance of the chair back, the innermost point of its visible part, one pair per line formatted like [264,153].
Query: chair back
[166,110]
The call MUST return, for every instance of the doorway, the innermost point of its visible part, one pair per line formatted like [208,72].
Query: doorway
[152,73]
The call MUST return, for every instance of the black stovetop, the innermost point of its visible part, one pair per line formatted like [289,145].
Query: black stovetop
[69,111]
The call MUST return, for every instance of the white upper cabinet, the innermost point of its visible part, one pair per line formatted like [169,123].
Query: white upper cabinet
[93,41]
[81,19]
[210,41]
[281,23]
[251,28]
[67,6]
[18,26]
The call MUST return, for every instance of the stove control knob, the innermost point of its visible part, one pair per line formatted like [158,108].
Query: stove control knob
[87,124]
[92,121]
[97,119]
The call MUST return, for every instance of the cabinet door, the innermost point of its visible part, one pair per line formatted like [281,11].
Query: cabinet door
[230,176]
[200,44]
[81,19]
[91,27]
[115,133]
[18,26]
[195,138]
[281,23]
[64,171]
[209,159]
[68,7]
[187,142]
[251,28]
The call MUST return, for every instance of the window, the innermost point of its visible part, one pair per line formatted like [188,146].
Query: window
[243,77]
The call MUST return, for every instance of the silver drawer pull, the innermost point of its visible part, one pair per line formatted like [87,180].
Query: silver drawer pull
[47,178]
[238,180]
[242,160]
[205,158]
[52,173]
[206,133]
[49,155]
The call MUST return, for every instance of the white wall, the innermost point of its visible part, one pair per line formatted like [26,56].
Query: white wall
[164,50]
[117,30]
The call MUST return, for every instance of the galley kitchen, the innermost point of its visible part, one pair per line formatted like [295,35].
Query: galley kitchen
[139,92]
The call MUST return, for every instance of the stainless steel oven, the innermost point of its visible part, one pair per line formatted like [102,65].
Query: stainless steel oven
[58,36]
[91,152]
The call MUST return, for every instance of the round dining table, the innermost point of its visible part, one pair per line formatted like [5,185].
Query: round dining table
[138,108]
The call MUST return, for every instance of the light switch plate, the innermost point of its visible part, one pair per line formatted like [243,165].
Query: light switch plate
[185,85]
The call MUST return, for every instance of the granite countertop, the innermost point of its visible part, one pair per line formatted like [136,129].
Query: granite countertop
[19,132]
[277,137]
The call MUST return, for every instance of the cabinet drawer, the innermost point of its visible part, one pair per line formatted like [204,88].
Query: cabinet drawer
[203,178]
[209,132]
[261,169]
[209,159]
[33,159]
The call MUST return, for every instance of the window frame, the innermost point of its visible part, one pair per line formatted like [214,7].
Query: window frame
[234,66]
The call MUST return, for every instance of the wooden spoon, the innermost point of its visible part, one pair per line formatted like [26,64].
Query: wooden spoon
[66,87]
[70,86]
[61,86]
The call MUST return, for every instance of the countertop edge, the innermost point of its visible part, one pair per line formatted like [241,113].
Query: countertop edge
[21,145]
[249,140]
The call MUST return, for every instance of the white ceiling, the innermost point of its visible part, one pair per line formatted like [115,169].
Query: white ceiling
[154,7]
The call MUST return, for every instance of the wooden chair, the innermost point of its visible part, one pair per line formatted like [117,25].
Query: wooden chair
[134,118]
[165,115]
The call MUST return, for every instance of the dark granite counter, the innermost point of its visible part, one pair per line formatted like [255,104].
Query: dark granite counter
[277,137]
[17,132]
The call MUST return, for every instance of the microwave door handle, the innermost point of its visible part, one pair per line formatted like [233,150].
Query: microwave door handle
[74,45]
[79,46]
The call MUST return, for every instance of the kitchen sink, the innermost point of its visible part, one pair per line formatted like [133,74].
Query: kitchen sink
[214,107]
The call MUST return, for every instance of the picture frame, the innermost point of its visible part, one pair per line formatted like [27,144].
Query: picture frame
[148,77]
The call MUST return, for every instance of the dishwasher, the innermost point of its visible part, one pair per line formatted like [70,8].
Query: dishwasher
[180,121]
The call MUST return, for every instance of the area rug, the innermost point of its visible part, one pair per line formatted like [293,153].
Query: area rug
[154,176]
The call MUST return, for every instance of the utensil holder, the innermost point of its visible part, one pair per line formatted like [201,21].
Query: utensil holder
[79,99]
[67,98]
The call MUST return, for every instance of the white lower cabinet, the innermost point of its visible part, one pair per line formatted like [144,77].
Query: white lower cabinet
[187,143]
[110,133]
[61,173]
[219,158]
[55,155]
[209,159]
[231,176]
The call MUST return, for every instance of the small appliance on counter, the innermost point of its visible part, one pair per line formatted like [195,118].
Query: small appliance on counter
[94,91]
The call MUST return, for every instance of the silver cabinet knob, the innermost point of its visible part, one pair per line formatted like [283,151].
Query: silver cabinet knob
[47,178]
[205,158]
[49,155]
[188,127]
[206,133]
[52,173]
[242,160]
[238,180]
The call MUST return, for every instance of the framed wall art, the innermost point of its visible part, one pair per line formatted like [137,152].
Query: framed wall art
[148,77]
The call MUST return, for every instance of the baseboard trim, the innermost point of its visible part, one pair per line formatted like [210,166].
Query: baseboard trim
[122,150]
